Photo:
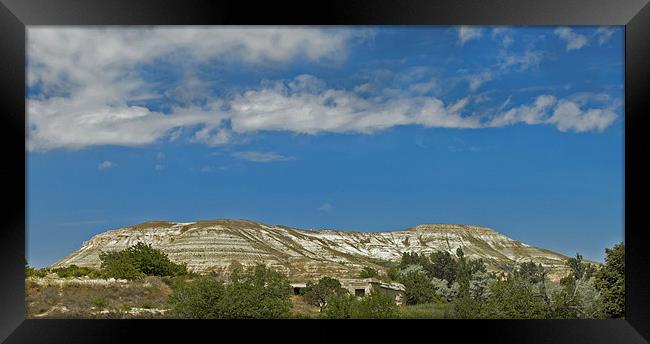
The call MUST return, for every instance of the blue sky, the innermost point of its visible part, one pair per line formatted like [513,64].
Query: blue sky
[376,128]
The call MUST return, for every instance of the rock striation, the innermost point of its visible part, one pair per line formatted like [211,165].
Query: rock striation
[213,246]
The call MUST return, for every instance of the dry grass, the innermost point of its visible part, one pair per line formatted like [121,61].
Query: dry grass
[302,309]
[96,301]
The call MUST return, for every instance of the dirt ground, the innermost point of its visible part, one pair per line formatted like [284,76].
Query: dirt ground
[78,298]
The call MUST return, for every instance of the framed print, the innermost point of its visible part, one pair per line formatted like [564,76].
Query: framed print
[470,164]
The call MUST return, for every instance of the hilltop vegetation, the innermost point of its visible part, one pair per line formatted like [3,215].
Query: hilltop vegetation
[143,282]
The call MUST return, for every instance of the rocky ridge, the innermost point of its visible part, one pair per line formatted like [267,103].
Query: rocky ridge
[307,254]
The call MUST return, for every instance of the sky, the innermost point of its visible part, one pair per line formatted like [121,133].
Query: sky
[519,129]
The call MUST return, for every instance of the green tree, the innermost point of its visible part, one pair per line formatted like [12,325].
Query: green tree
[513,298]
[444,290]
[413,258]
[377,305]
[137,261]
[531,272]
[610,281]
[368,272]
[579,268]
[566,300]
[443,266]
[257,292]
[479,285]
[198,299]
[463,275]
[419,288]
[392,274]
[590,303]
[339,306]
[319,294]
[119,266]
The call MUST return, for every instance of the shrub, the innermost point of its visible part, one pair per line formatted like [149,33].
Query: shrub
[339,307]
[257,292]
[511,297]
[76,271]
[319,294]
[198,299]
[121,268]
[377,305]
[100,302]
[368,272]
[33,272]
[443,289]
[419,288]
[138,261]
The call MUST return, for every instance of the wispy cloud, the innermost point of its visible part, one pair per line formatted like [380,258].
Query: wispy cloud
[567,114]
[105,165]
[603,34]
[520,62]
[468,33]
[476,80]
[573,40]
[262,156]
[459,145]
[503,35]
[159,167]
[326,207]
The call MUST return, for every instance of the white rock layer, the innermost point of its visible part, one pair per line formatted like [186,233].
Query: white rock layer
[307,254]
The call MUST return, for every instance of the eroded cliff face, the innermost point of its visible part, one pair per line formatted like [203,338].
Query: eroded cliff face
[307,254]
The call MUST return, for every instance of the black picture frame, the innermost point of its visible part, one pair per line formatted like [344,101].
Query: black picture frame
[15,15]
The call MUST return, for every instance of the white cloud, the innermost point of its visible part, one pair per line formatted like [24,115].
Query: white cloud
[573,40]
[603,34]
[521,62]
[89,81]
[326,207]
[424,87]
[476,80]
[304,105]
[570,114]
[468,33]
[506,62]
[276,107]
[503,35]
[159,167]
[529,114]
[262,156]
[105,165]
[91,88]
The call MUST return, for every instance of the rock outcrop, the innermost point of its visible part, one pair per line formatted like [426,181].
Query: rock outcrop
[308,254]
